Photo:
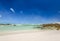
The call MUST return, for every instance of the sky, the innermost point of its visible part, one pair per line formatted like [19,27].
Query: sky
[29,11]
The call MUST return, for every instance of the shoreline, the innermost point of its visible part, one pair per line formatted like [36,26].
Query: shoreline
[23,31]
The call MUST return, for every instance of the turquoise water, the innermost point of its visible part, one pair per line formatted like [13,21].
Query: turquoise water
[17,27]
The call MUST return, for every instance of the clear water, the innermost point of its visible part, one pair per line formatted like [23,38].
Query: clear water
[21,27]
[18,27]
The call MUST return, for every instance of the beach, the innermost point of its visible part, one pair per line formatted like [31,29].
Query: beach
[34,35]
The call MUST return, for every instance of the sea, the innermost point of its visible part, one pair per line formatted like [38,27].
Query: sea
[17,27]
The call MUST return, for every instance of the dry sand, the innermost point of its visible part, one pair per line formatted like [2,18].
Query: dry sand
[51,35]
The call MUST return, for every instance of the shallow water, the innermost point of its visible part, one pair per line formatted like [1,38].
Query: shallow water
[17,27]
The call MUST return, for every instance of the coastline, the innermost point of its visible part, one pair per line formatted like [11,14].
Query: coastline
[17,32]
[24,31]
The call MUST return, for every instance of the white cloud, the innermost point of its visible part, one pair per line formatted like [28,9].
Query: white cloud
[12,10]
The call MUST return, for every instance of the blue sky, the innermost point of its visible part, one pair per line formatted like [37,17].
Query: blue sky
[29,11]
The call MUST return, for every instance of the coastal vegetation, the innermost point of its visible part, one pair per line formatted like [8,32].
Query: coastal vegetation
[49,26]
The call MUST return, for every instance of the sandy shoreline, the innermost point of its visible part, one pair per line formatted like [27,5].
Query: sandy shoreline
[34,35]
[18,32]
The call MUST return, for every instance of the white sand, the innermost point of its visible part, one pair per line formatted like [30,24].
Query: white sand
[32,36]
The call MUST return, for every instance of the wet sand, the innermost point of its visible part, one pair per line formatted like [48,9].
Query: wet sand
[48,35]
